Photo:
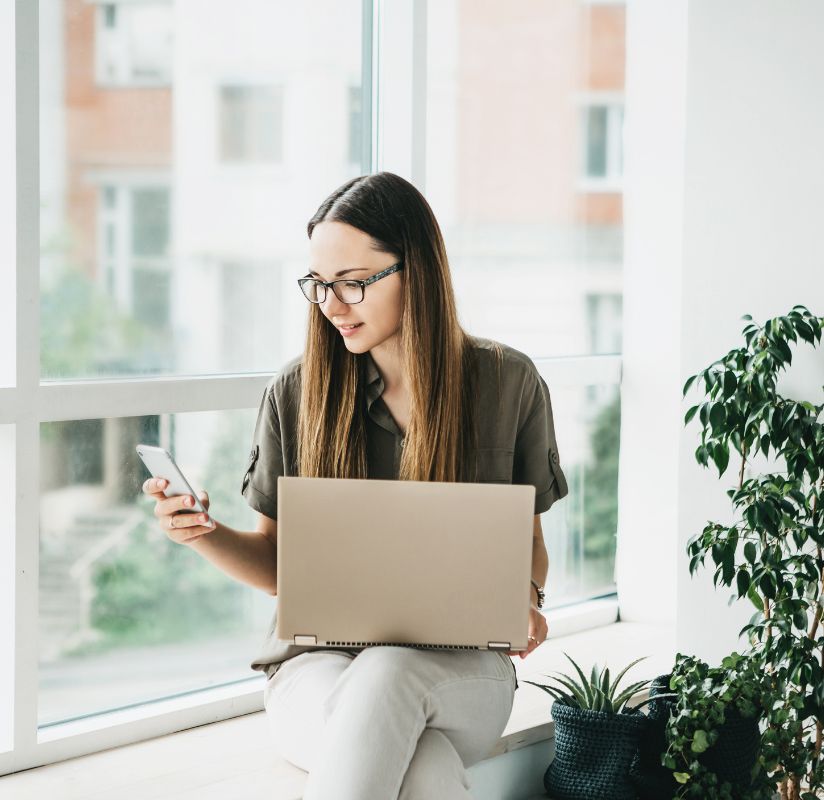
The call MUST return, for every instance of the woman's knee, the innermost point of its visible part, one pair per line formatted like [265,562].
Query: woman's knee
[436,770]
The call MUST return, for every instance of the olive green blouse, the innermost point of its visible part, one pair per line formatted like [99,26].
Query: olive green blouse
[516,445]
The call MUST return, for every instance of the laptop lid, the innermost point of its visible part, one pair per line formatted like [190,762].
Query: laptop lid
[364,562]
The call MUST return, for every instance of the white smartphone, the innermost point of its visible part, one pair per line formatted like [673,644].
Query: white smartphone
[160,464]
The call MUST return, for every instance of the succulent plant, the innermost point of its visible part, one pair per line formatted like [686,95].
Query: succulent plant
[596,693]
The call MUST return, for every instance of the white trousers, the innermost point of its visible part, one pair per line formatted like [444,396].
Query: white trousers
[389,722]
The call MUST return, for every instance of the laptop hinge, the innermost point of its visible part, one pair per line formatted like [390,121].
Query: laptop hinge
[499,646]
[299,639]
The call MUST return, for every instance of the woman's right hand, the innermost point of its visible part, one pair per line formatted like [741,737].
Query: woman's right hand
[179,527]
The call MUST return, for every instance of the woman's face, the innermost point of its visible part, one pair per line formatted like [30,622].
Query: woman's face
[338,250]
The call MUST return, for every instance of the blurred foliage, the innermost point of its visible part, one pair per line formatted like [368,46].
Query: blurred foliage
[152,590]
[84,335]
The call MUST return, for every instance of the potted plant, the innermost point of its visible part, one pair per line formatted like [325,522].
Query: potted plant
[773,553]
[596,735]
[707,740]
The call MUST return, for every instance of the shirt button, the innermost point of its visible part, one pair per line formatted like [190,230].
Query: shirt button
[403,442]
[553,454]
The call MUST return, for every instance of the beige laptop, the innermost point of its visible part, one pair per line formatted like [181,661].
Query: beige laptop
[429,564]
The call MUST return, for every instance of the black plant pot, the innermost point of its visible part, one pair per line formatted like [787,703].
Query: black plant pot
[734,755]
[731,758]
[593,754]
[652,780]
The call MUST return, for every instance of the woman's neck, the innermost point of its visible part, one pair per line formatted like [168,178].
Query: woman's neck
[387,360]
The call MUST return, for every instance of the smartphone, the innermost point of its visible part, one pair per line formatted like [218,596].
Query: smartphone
[161,464]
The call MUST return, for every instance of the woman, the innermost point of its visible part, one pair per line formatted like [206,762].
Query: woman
[391,387]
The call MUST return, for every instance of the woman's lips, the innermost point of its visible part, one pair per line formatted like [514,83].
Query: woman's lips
[350,331]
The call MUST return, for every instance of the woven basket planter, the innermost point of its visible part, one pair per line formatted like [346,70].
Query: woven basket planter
[652,780]
[731,758]
[593,754]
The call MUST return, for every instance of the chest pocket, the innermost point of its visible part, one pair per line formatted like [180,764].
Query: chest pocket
[494,464]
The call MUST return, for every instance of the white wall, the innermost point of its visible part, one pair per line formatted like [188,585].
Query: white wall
[752,197]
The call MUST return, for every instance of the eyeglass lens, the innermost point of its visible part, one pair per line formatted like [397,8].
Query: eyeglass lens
[346,291]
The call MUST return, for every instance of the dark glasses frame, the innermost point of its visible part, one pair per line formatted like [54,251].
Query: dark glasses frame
[363,284]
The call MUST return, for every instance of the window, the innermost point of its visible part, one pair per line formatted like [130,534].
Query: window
[133,43]
[526,247]
[135,253]
[602,149]
[167,299]
[251,124]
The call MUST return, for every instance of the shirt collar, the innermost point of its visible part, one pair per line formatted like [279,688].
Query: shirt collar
[374,381]
[372,374]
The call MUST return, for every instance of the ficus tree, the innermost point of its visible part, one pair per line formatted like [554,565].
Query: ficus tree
[773,553]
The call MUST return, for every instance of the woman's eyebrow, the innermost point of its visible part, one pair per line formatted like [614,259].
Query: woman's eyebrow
[342,272]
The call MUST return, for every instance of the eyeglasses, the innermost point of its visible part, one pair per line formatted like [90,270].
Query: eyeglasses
[347,290]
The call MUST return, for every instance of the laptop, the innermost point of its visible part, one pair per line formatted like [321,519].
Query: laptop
[428,564]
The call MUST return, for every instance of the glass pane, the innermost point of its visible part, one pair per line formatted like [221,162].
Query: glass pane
[117,595]
[149,197]
[580,534]
[507,175]
[150,222]
[596,141]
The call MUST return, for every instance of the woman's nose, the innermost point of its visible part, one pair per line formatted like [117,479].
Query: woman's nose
[333,304]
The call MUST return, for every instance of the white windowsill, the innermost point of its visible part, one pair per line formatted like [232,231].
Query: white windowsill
[232,757]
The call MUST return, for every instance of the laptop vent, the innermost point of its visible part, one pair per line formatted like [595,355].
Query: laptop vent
[405,644]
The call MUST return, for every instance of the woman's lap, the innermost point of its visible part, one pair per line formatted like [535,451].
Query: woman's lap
[386,696]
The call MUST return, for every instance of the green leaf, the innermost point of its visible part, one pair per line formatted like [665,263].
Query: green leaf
[687,385]
[728,566]
[743,580]
[721,453]
[690,414]
[755,598]
[767,585]
[804,331]
[699,742]
[718,416]
[584,682]
[750,552]
[730,384]
[681,777]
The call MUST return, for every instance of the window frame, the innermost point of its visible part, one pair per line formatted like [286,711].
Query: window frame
[394,69]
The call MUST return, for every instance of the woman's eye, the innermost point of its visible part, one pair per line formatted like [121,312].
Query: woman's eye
[350,284]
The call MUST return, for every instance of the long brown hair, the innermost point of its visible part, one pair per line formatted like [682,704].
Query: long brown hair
[436,353]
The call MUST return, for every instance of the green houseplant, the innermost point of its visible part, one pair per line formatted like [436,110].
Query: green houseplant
[596,735]
[712,730]
[773,554]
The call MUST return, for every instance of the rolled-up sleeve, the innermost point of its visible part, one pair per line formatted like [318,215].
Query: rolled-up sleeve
[265,462]
[536,459]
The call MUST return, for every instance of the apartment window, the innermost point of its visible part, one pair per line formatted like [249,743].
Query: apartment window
[135,251]
[250,124]
[133,43]
[602,145]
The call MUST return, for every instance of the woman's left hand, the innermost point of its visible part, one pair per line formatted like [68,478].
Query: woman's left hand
[537,632]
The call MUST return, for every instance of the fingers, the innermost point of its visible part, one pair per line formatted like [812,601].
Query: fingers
[181,527]
[154,487]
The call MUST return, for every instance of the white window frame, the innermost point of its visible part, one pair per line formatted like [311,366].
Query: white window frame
[613,181]
[396,45]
